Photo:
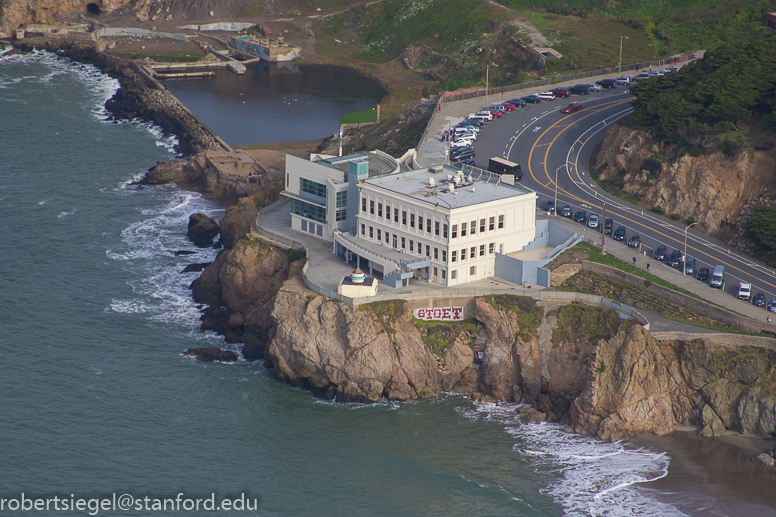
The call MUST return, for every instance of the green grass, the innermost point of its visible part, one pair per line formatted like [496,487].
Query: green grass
[386,310]
[529,315]
[579,321]
[364,116]
[439,336]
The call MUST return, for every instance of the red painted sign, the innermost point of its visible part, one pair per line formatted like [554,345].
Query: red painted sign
[439,313]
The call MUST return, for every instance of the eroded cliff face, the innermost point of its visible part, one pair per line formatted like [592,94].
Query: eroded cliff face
[14,13]
[709,188]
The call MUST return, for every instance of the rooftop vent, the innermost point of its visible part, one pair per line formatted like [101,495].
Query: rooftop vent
[435,169]
[431,182]
[450,187]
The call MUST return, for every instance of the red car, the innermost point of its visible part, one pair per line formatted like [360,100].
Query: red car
[561,91]
[508,106]
[571,108]
[496,114]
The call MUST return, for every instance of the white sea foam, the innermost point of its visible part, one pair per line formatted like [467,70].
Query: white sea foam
[595,478]
[64,214]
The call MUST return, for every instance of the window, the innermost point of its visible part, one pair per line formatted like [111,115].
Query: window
[387,237]
[395,241]
[379,210]
[371,233]
[396,216]
[412,220]
[404,217]
[319,230]
[501,248]
[309,211]
[420,222]
[463,254]
[491,248]
[428,251]
[388,211]
[454,231]
[342,198]
[379,234]
[454,256]
[482,250]
[311,228]
[444,231]
[311,187]
[288,180]
[436,272]
[463,229]
[342,215]
[363,204]
[473,252]
[500,222]
[428,224]
[363,229]
[402,243]
[436,228]
[453,274]
[473,270]
[444,256]
[473,227]
[372,206]
[436,253]
[492,223]
[443,274]
[304,225]
[411,245]
[482,226]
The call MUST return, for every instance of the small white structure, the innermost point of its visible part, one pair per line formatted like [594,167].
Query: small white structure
[357,285]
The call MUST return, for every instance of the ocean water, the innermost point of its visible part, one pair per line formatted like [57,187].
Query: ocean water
[97,398]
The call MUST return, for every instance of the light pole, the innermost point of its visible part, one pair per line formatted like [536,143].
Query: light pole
[684,271]
[619,64]
[487,69]
[556,187]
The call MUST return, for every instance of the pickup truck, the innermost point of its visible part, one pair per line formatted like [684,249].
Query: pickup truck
[744,291]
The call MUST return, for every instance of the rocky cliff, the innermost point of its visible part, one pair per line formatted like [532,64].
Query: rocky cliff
[708,186]
[14,13]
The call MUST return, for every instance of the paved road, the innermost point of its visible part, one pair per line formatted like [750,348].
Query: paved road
[543,141]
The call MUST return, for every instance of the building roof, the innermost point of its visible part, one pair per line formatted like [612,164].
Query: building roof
[379,164]
[471,188]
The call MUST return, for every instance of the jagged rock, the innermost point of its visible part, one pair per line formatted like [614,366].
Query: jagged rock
[237,221]
[765,459]
[236,320]
[766,427]
[165,172]
[184,252]
[209,354]
[712,424]
[532,415]
[202,230]
[192,268]
[749,411]
[722,395]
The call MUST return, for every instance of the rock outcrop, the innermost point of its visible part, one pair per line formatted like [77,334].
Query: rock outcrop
[202,229]
[210,354]
[237,221]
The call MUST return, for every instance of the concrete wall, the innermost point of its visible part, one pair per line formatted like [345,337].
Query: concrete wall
[508,268]
[543,277]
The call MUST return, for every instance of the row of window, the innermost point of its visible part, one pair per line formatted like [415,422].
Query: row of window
[311,187]
[398,242]
[472,226]
[427,222]
[314,212]
[454,273]
[473,252]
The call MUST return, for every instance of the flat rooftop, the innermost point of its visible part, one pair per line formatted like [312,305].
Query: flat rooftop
[378,165]
[471,187]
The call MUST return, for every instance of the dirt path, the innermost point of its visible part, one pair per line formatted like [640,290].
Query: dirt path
[536,37]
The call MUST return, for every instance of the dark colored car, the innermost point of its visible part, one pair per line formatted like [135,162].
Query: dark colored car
[565,211]
[517,103]
[689,266]
[660,253]
[606,83]
[533,99]
[461,154]
[561,91]
[675,258]
[619,234]
[608,226]
[580,216]
[634,241]
[703,276]
[571,108]
[759,300]
[580,89]
[549,206]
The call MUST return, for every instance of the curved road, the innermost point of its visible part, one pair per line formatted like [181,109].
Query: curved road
[542,140]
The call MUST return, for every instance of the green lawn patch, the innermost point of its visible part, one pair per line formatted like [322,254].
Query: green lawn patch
[365,116]
[529,315]
[439,336]
[579,321]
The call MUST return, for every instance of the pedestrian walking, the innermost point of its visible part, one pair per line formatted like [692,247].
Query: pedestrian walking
[768,319]
[648,265]
[634,261]
[650,68]
[674,61]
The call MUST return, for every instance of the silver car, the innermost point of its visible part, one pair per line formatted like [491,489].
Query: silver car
[592,221]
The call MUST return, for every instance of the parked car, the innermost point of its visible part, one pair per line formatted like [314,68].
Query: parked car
[640,77]
[517,103]
[594,87]
[508,106]
[744,291]
[565,211]
[759,300]
[561,91]
[689,266]
[703,276]
[772,306]
[619,234]
[634,241]
[497,107]
[580,89]
[546,96]
[592,221]
[656,73]
[608,226]
[606,83]
[623,80]
[487,115]
[580,216]
[549,206]
[496,113]
[462,153]
[463,142]
[660,253]
[675,258]
[533,99]
[571,108]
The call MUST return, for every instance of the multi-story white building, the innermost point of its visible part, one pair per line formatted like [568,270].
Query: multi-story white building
[439,224]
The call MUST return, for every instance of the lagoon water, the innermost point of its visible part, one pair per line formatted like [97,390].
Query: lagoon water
[97,398]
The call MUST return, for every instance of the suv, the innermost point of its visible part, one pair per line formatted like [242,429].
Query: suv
[689,266]
[561,92]
[675,259]
[623,80]
[592,221]
[744,291]
[595,87]
[607,83]
[759,300]
[640,77]
[517,103]
[566,211]
[580,89]
[546,96]
[580,216]
[571,108]
[660,253]
[619,234]
[549,206]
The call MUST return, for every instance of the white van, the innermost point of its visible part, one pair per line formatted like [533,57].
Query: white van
[486,114]
[717,279]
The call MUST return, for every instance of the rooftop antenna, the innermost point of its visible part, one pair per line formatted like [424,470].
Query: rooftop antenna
[339,136]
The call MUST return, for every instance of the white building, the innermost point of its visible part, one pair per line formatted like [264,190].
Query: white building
[438,224]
